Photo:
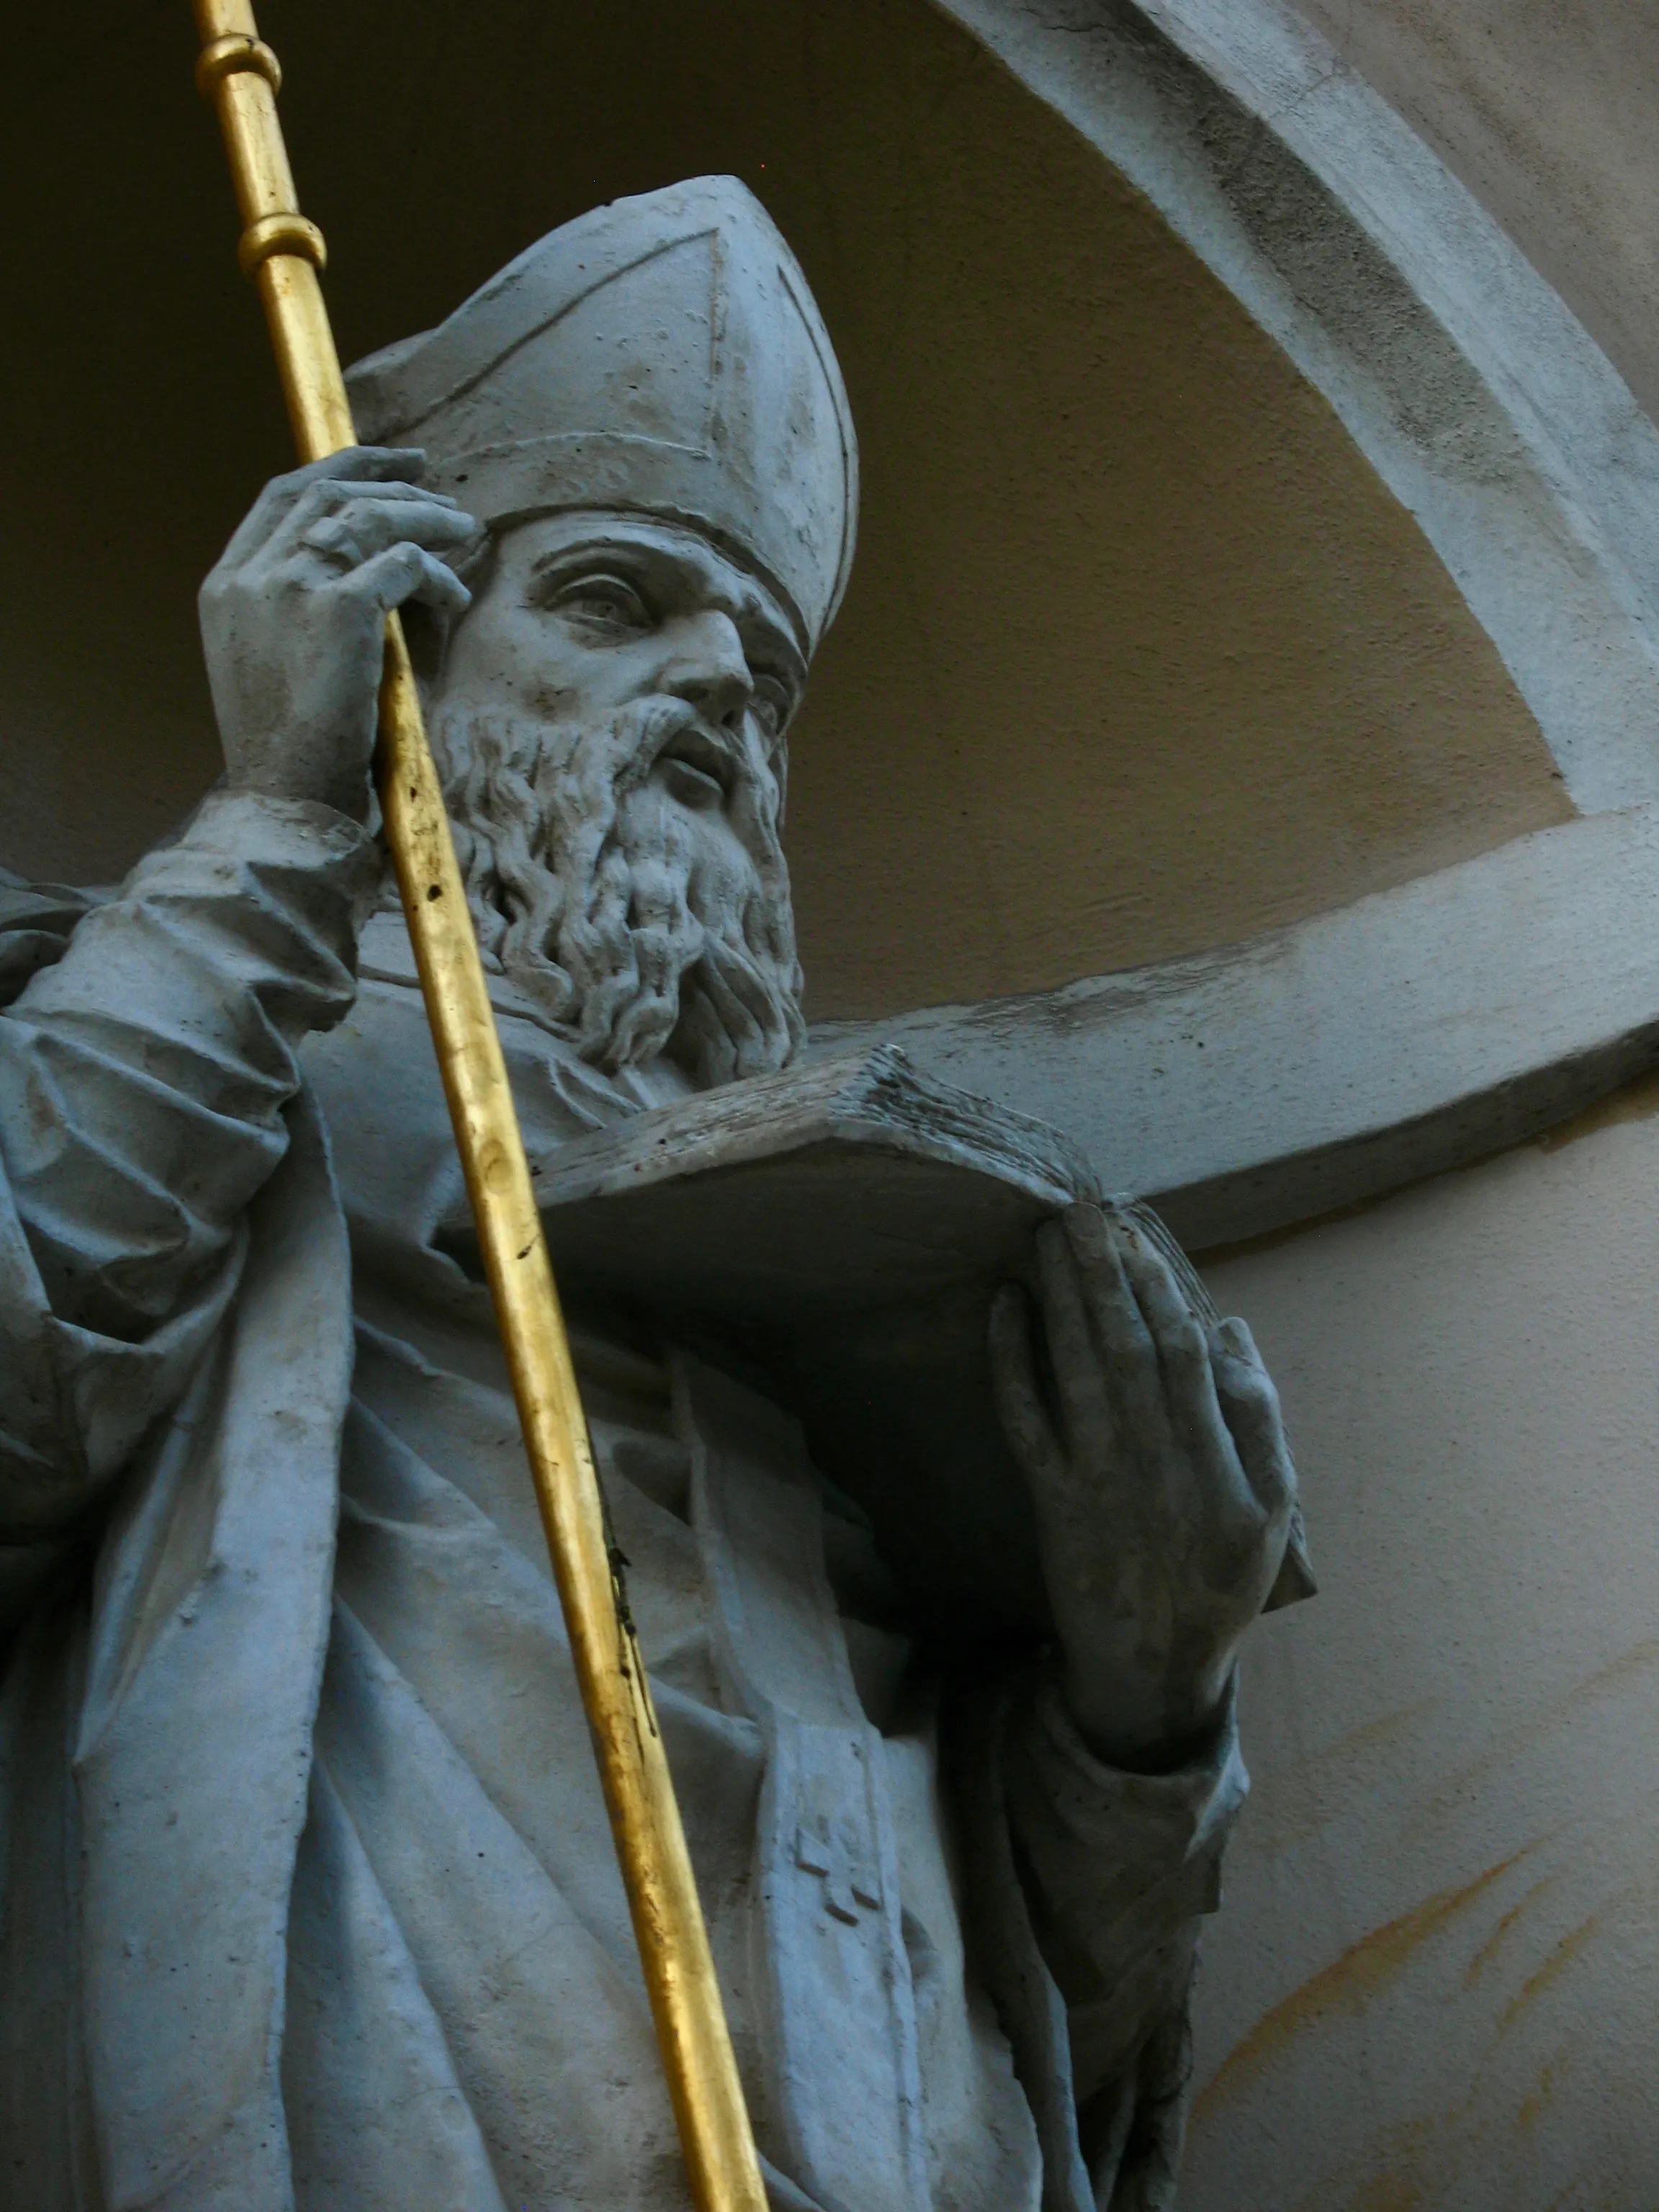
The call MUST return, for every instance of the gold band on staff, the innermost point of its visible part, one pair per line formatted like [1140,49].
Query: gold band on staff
[281,254]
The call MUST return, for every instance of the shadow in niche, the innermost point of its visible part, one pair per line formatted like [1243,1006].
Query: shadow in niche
[1139,656]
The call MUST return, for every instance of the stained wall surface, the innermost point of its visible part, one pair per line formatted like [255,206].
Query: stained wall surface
[1432,1984]
[1545,109]
[1139,655]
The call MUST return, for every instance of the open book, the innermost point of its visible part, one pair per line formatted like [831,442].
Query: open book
[837,1232]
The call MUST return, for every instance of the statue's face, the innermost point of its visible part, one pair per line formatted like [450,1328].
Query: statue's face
[610,715]
[584,614]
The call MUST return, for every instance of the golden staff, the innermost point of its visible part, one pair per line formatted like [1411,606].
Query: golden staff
[281,254]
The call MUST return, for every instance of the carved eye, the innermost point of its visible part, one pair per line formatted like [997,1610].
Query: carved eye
[602,602]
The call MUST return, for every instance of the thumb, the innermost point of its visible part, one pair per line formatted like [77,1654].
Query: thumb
[1250,1405]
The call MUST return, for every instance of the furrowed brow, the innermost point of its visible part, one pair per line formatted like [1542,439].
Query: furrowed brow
[594,554]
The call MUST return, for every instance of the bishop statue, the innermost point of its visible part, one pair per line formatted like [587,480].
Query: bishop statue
[307,1897]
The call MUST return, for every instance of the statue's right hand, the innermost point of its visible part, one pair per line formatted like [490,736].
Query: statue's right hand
[294,618]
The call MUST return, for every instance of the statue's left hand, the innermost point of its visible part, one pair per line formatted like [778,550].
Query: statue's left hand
[294,618]
[1163,1485]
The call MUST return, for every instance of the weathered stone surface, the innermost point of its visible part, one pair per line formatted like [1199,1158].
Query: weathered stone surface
[308,1865]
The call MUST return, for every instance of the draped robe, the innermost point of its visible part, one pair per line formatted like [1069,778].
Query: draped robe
[306,1895]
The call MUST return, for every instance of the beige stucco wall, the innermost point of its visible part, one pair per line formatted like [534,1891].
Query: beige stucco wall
[1141,655]
[1434,1986]
[1545,108]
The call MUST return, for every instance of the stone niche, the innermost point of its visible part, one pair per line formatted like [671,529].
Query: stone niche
[1140,657]
[1236,749]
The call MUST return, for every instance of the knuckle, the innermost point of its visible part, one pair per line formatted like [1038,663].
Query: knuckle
[1128,1338]
[1251,1393]
[1183,1342]
[316,500]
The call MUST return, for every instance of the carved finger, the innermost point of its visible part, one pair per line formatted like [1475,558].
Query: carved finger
[1249,1405]
[1080,1377]
[1019,1397]
[1222,1494]
[1125,1344]
[334,541]
[357,464]
[377,519]
[320,503]
[363,527]
[1169,1320]
[408,572]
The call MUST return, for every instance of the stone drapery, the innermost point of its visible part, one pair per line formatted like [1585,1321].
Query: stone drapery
[308,1895]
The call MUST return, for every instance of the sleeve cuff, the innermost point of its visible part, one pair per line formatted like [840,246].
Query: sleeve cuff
[1111,1851]
[254,825]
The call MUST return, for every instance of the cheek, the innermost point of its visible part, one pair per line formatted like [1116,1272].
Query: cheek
[515,656]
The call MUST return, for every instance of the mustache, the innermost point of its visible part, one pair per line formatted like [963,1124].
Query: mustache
[666,726]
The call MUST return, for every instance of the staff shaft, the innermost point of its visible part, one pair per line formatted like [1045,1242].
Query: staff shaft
[281,252]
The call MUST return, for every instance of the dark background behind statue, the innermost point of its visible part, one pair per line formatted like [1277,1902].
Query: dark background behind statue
[1139,655]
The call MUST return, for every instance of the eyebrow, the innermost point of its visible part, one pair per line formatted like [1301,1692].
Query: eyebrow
[748,606]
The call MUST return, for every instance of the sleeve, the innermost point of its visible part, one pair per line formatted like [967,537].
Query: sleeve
[1086,1886]
[143,1079]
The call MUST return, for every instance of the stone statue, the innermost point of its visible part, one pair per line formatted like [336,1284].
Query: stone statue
[309,1897]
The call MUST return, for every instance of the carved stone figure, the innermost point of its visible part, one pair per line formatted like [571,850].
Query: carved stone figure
[309,1897]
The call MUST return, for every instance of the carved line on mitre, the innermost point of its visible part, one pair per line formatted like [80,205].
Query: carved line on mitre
[751,442]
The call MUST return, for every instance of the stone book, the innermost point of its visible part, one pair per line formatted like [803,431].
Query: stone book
[836,1231]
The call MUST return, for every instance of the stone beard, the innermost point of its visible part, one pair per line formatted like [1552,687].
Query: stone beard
[589,890]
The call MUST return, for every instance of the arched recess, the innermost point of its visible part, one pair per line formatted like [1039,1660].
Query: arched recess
[1465,379]
[1318,1065]
[1075,723]
[1141,654]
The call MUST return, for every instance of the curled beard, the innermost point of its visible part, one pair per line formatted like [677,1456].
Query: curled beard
[589,890]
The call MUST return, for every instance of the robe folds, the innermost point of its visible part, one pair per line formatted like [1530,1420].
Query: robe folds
[306,1895]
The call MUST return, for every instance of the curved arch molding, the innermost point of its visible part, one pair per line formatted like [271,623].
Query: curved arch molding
[1415,1031]
[1422,1027]
[1478,397]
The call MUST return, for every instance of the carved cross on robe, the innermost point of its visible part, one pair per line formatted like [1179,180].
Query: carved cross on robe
[848,1880]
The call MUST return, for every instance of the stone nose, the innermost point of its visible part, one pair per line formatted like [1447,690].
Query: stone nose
[708,667]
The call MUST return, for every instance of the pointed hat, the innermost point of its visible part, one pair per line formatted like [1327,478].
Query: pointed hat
[661,355]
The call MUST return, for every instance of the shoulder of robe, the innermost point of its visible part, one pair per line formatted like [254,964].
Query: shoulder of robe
[36,923]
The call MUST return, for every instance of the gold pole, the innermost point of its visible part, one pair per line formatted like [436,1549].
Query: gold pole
[281,252]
